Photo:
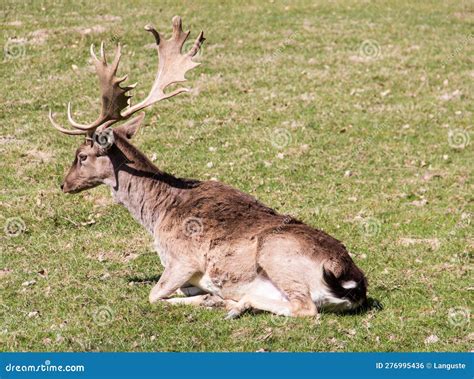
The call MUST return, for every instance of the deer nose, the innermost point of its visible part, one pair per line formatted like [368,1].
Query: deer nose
[62,186]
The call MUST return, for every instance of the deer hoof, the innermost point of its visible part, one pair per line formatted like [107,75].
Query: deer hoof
[153,298]
[233,314]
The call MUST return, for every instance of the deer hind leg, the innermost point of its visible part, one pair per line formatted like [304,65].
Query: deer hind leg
[298,304]
[298,294]
[262,295]
[302,305]
[291,280]
[278,307]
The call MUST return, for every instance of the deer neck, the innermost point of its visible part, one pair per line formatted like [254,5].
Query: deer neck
[141,187]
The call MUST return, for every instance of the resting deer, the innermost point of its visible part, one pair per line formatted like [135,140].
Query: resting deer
[214,242]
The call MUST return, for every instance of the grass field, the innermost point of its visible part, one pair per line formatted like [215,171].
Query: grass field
[354,117]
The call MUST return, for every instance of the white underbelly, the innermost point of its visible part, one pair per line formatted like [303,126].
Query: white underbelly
[263,287]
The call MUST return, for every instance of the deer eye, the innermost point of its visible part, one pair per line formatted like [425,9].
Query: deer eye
[82,157]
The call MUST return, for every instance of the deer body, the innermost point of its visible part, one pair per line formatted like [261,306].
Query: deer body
[242,251]
[216,243]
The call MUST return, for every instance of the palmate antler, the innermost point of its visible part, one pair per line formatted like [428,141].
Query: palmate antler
[172,67]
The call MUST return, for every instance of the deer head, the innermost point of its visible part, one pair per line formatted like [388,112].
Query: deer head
[94,160]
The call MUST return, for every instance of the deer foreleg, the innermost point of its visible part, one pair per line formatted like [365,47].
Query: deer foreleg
[174,277]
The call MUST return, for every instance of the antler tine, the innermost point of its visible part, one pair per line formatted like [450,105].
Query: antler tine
[197,44]
[102,52]
[74,123]
[118,55]
[152,30]
[177,26]
[62,130]
[93,53]
[178,34]
[89,132]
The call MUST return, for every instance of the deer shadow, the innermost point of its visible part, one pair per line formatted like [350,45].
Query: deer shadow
[143,280]
[371,305]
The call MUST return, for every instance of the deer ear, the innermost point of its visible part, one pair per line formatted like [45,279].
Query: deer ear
[129,128]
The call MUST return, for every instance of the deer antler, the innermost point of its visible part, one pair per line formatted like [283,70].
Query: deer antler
[172,67]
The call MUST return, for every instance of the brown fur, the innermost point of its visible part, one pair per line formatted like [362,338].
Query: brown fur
[239,239]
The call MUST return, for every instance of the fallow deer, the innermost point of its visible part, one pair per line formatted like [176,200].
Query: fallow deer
[215,242]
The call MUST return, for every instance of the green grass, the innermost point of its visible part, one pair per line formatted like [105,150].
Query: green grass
[302,114]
